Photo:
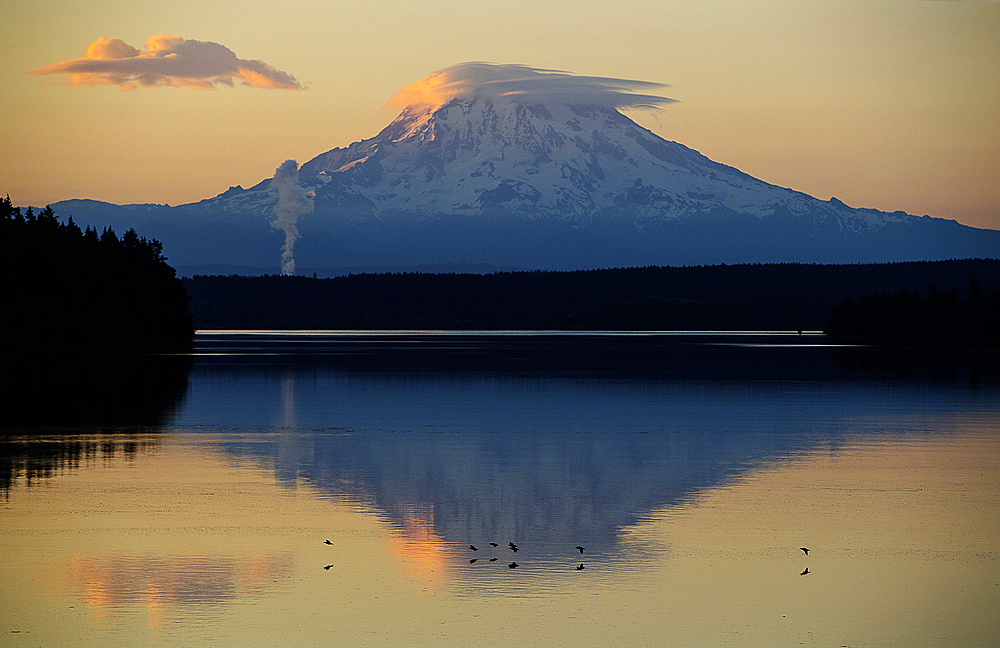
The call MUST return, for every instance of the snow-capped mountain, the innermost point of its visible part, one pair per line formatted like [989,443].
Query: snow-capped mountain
[518,179]
[574,163]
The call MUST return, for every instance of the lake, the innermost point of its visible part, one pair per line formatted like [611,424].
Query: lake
[327,489]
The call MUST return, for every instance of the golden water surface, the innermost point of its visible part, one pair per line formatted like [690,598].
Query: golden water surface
[179,544]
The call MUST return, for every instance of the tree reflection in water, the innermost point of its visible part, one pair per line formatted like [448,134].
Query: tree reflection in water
[61,410]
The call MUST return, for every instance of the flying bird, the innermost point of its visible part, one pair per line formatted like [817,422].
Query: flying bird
[580,567]
[512,565]
[580,548]
[513,547]
[804,550]
[473,547]
[804,572]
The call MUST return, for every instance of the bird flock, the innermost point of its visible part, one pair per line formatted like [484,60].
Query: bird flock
[514,548]
[510,545]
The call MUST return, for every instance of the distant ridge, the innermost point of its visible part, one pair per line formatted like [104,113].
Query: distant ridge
[723,297]
[456,267]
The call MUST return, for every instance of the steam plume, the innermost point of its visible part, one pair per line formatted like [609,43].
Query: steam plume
[293,201]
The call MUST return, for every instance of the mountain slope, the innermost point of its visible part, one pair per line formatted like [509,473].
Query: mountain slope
[576,163]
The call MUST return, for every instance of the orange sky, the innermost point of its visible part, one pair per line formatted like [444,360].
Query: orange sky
[892,105]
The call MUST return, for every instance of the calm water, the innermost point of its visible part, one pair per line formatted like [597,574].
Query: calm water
[188,502]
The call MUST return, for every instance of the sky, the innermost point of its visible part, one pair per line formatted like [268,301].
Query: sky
[892,104]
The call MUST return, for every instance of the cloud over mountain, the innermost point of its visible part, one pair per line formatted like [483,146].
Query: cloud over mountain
[475,80]
[168,61]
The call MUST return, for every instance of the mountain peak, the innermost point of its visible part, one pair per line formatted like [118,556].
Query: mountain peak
[415,120]
[490,154]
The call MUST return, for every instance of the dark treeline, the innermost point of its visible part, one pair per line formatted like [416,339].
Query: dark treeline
[908,316]
[66,289]
[737,297]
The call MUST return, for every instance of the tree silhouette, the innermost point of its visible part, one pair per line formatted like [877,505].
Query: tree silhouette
[70,290]
[909,317]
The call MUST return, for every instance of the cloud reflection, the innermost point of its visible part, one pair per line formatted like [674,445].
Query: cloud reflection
[113,584]
[425,556]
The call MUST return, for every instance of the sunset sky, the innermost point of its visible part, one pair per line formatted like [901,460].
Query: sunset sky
[890,104]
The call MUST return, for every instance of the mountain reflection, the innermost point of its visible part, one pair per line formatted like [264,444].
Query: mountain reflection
[549,441]
[544,488]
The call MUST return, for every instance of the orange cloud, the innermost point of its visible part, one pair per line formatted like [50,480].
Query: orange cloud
[167,61]
[527,84]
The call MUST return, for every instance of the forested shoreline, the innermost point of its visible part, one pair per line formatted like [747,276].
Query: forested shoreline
[723,297]
[907,317]
[80,291]
[72,290]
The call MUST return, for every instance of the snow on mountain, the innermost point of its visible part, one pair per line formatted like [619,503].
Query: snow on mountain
[574,163]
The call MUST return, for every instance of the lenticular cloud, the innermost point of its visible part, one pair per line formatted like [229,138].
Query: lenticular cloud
[168,61]
[528,85]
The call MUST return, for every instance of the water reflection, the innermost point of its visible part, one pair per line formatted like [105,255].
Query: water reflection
[37,457]
[683,355]
[427,558]
[692,490]
[508,439]
[158,584]
[78,390]
[65,411]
